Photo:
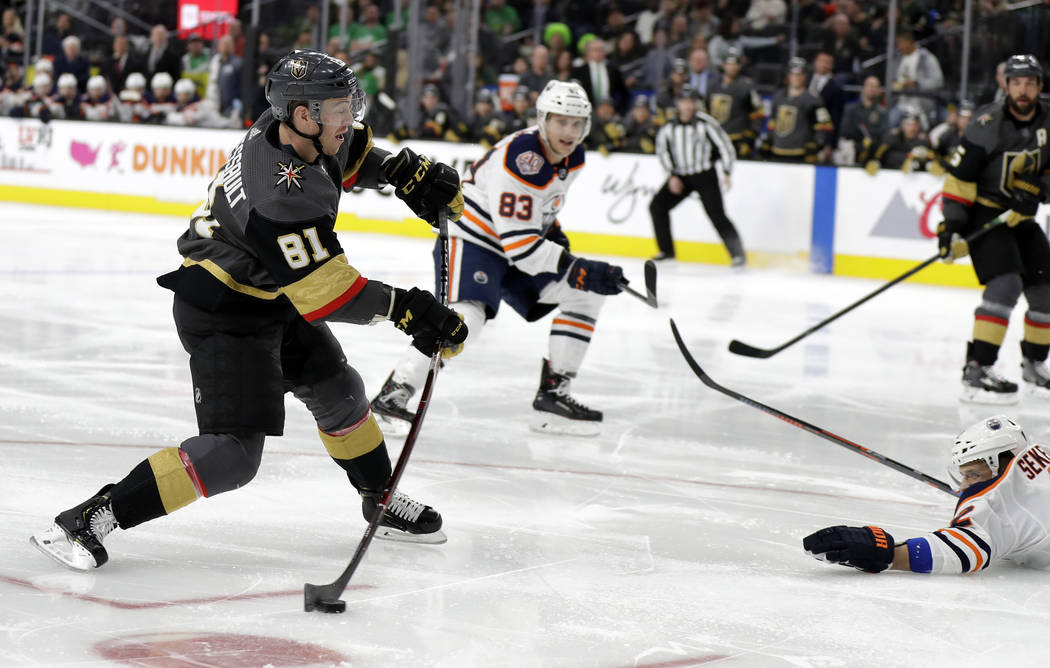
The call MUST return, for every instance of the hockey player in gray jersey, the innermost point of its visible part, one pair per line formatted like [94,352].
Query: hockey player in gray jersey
[262,273]
[734,102]
[1002,169]
[799,125]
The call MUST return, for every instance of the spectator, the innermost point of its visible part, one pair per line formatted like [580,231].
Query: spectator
[843,45]
[14,91]
[368,32]
[97,104]
[436,120]
[917,71]
[824,85]
[679,37]
[607,130]
[502,18]
[615,25]
[702,76]
[627,57]
[12,26]
[563,66]
[67,99]
[224,82]
[598,78]
[640,129]
[236,33]
[667,99]
[121,62]
[704,22]
[657,64]
[72,61]
[53,36]
[195,62]
[765,16]
[308,29]
[864,123]
[648,20]
[522,113]
[539,72]
[905,147]
[997,96]
[161,57]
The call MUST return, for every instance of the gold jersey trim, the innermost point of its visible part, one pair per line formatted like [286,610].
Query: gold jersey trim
[224,277]
[323,285]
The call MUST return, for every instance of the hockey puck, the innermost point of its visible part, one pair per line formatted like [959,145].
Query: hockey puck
[331,605]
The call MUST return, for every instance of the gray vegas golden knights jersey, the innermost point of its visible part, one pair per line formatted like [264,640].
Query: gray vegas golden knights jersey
[265,235]
[995,148]
[737,107]
[798,125]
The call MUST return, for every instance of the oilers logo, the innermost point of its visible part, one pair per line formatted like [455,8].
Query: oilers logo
[480,277]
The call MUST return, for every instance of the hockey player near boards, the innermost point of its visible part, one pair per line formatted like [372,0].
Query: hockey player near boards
[734,102]
[1003,512]
[688,148]
[1000,166]
[509,247]
[263,271]
[799,125]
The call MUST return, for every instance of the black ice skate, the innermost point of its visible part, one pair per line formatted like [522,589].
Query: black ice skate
[1036,375]
[560,413]
[404,519]
[984,385]
[75,539]
[390,407]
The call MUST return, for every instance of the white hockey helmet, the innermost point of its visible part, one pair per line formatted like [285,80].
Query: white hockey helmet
[160,80]
[44,65]
[185,88]
[96,83]
[67,80]
[42,83]
[566,98]
[985,441]
[136,81]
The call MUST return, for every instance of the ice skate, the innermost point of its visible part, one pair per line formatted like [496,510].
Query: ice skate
[404,520]
[984,385]
[390,407]
[75,539]
[1036,377]
[557,411]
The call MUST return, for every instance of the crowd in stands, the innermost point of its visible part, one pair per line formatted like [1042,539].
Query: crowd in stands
[829,104]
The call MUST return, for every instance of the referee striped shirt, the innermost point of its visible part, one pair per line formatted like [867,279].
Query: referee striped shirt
[691,148]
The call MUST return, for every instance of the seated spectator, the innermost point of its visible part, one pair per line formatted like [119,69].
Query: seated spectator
[121,62]
[502,18]
[627,57]
[195,63]
[563,66]
[679,37]
[73,61]
[522,113]
[864,123]
[640,129]
[14,92]
[905,147]
[946,136]
[11,26]
[485,125]
[369,32]
[161,57]
[917,71]
[599,78]
[607,130]
[160,98]
[436,119]
[666,100]
[131,103]
[648,21]
[539,72]
[97,104]
[67,98]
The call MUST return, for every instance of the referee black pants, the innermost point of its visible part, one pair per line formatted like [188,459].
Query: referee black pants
[705,183]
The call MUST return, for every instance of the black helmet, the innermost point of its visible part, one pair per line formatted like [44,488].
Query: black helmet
[1025,65]
[310,77]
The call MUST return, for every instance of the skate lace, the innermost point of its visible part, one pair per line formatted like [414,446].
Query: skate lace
[102,522]
[991,374]
[397,395]
[561,390]
[404,507]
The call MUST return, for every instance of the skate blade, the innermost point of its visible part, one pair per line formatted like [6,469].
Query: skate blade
[548,423]
[1037,391]
[55,543]
[396,535]
[973,395]
[392,427]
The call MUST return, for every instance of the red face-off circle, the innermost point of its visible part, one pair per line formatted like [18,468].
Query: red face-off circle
[221,650]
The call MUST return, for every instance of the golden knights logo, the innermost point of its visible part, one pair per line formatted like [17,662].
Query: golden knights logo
[721,106]
[297,68]
[787,119]
[289,174]
[1016,163]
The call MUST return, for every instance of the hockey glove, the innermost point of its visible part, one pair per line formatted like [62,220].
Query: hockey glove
[557,235]
[423,185]
[1027,194]
[416,313]
[950,243]
[864,548]
[595,276]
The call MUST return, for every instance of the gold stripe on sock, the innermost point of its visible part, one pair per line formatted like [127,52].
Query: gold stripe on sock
[360,440]
[1037,333]
[989,330]
[173,482]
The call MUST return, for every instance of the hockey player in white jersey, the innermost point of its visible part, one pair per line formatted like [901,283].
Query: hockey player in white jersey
[509,247]
[1003,512]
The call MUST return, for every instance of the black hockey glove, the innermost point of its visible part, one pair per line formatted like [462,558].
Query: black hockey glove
[950,243]
[595,276]
[422,317]
[557,235]
[423,185]
[864,548]
[1027,195]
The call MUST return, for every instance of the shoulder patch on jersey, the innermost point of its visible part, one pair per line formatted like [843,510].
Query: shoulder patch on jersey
[985,119]
[529,163]
[289,174]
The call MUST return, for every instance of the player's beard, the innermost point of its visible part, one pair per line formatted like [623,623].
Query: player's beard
[1015,105]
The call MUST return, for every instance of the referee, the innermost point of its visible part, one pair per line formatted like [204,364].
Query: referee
[688,148]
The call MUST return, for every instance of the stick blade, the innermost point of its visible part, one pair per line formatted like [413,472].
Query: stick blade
[741,348]
[322,598]
[650,283]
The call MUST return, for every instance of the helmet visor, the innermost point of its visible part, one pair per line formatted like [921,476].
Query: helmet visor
[343,110]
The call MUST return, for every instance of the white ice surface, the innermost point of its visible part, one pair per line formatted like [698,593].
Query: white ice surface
[674,539]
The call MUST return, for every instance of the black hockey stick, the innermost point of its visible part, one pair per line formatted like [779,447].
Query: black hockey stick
[741,348]
[325,598]
[650,285]
[802,424]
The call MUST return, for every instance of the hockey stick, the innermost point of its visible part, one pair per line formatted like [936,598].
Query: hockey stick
[325,598]
[650,285]
[741,348]
[802,424]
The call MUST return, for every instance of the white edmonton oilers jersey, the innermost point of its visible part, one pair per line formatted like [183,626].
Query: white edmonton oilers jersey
[1007,517]
[512,196]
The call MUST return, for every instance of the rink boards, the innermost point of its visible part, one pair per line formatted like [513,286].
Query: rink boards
[824,219]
